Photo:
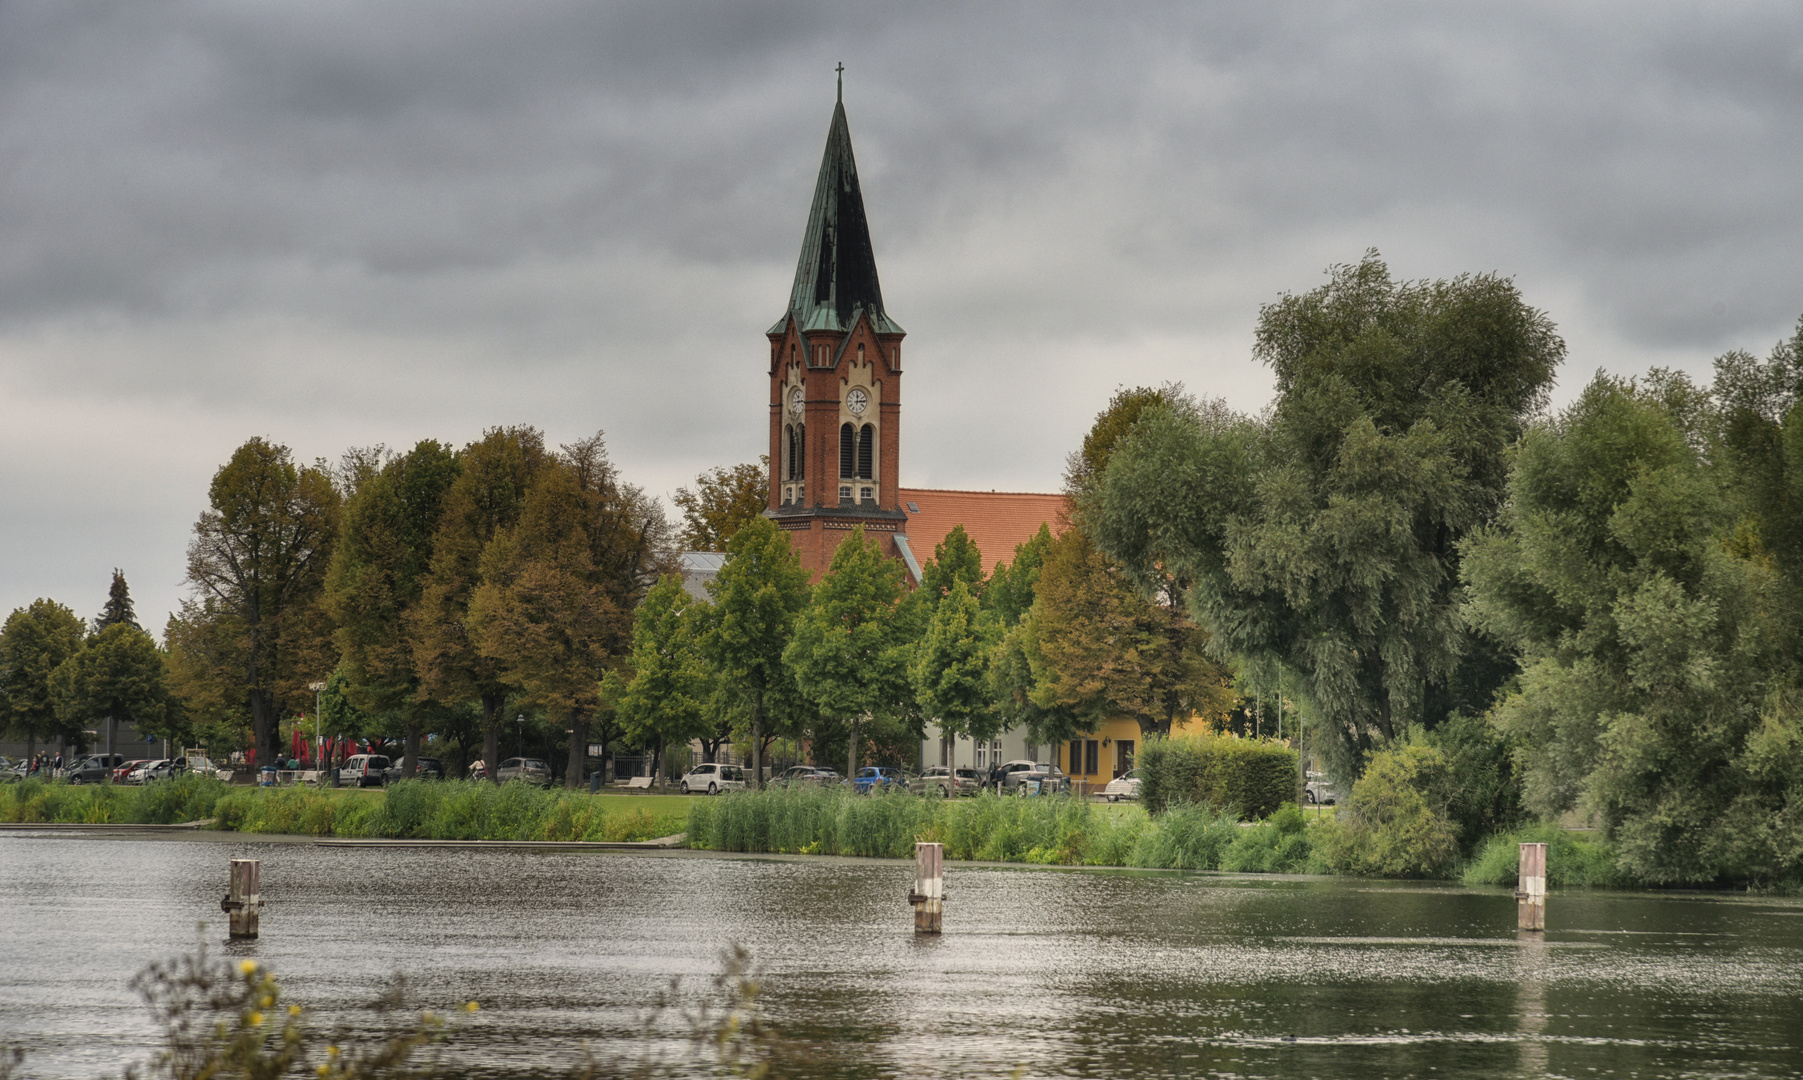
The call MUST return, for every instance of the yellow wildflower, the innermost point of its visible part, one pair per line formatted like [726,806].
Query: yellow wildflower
[249,967]
[256,1019]
[294,1010]
[471,1006]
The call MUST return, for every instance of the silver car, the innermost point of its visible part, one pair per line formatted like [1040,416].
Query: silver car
[713,779]
[1318,791]
[531,770]
[1124,786]
[941,781]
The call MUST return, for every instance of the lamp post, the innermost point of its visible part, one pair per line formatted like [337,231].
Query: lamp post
[319,745]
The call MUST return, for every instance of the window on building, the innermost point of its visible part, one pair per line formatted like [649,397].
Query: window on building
[866,447]
[801,451]
[1074,763]
[1092,753]
[848,451]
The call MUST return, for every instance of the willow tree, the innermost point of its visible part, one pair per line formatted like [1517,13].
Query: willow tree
[1325,537]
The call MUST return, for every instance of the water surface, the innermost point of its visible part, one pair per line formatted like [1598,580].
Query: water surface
[1090,974]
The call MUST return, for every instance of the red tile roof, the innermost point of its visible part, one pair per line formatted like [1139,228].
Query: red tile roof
[997,521]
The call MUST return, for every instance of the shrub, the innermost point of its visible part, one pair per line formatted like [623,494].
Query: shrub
[1186,837]
[1279,846]
[1396,824]
[1248,777]
[1486,792]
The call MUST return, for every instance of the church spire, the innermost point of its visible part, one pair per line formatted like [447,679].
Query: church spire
[836,275]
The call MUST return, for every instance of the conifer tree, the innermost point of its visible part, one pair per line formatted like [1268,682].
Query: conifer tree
[118,607]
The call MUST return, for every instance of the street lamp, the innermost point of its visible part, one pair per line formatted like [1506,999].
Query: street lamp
[319,744]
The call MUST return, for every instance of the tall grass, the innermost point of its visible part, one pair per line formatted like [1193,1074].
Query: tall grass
[1570,861]
[1061,831]
[439,810]
[161,802]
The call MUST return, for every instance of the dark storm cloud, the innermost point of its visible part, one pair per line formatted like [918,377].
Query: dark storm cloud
[344,223]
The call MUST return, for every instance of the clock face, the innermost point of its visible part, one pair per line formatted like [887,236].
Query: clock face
[795,401]
[856,401]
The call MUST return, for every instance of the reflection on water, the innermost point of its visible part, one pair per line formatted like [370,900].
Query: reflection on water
[1073,974]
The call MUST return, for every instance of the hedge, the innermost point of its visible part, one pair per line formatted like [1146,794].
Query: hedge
[1249,777]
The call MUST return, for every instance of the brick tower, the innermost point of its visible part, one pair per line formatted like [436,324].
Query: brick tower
[835,379]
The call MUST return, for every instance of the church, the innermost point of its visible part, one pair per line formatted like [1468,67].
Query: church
[836,427]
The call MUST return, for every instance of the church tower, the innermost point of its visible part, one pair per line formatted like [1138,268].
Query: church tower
[835,379]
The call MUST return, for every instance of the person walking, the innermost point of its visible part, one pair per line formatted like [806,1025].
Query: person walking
[57,768]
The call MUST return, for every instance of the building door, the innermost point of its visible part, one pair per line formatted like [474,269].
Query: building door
[1123,755]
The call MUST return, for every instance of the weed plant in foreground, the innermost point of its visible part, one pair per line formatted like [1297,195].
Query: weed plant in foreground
[224,1018]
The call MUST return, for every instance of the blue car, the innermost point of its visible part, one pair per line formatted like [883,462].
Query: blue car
[875,777]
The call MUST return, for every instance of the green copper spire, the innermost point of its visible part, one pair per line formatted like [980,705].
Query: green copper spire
[835,277]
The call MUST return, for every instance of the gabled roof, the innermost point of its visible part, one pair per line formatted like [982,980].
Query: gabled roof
[835,278]
[996,521]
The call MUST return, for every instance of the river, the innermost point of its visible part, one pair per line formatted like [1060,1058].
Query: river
[1057,972]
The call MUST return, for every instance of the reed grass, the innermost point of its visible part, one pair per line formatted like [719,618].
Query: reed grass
[1053,831]
[446,810]
[161,802]
[1570,860]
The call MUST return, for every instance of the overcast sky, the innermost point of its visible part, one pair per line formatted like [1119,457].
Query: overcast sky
[339,224]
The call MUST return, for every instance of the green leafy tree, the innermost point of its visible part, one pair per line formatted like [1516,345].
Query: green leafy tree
[554,610]
[1656,690]
[722,502]
[950,671]
[118,607]
[119,674]
[757,595]
[484,500]
[1011,584]
[955,559]
[665,701]
[259,555]
[1326,538]
[376,581]
[35,641]
[849,653]
[204,701]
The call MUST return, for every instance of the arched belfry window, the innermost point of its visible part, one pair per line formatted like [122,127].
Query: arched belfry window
[848,450]
[866,448]
[788,451]
[801,451]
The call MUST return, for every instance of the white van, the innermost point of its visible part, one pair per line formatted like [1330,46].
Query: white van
[365,770]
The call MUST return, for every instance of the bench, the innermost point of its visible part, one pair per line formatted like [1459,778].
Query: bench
[639,782]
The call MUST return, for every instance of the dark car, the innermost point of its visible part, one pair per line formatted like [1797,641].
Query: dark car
[530,770]
[428,768]
[95,768]
[874,778]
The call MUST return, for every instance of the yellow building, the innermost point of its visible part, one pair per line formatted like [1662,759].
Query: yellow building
[1107,752]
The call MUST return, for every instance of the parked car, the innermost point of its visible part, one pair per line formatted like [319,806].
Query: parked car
[95,768]
[1124,786]
[803,775]
[530,770]
[713,778]
[124,769]
[941,781]
[1005,770]
[161,769]
[874,778]
[364,770]
[1041,779]
[426,768]
[13,770]
[1319,790]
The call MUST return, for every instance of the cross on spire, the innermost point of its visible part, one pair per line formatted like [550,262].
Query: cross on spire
[841,70]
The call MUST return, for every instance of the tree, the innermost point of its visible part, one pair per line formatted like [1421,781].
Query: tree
[1656,689]
[118,607]
[1326,538]
[205,703]
[35,641]
[554,609]
[376,581]
[259,555]
[485,499]
[849,652]
[665,700]
[954,559]
[757,595]
[118,674]
[950,671]
[722,502]
[1010,592]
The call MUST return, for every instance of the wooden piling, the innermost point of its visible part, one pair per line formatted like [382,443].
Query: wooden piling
[245,898]
[928,895]
[1530,892]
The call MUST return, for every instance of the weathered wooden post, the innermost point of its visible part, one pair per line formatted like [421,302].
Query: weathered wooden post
[1530,893]
[928,894]
[245,897]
